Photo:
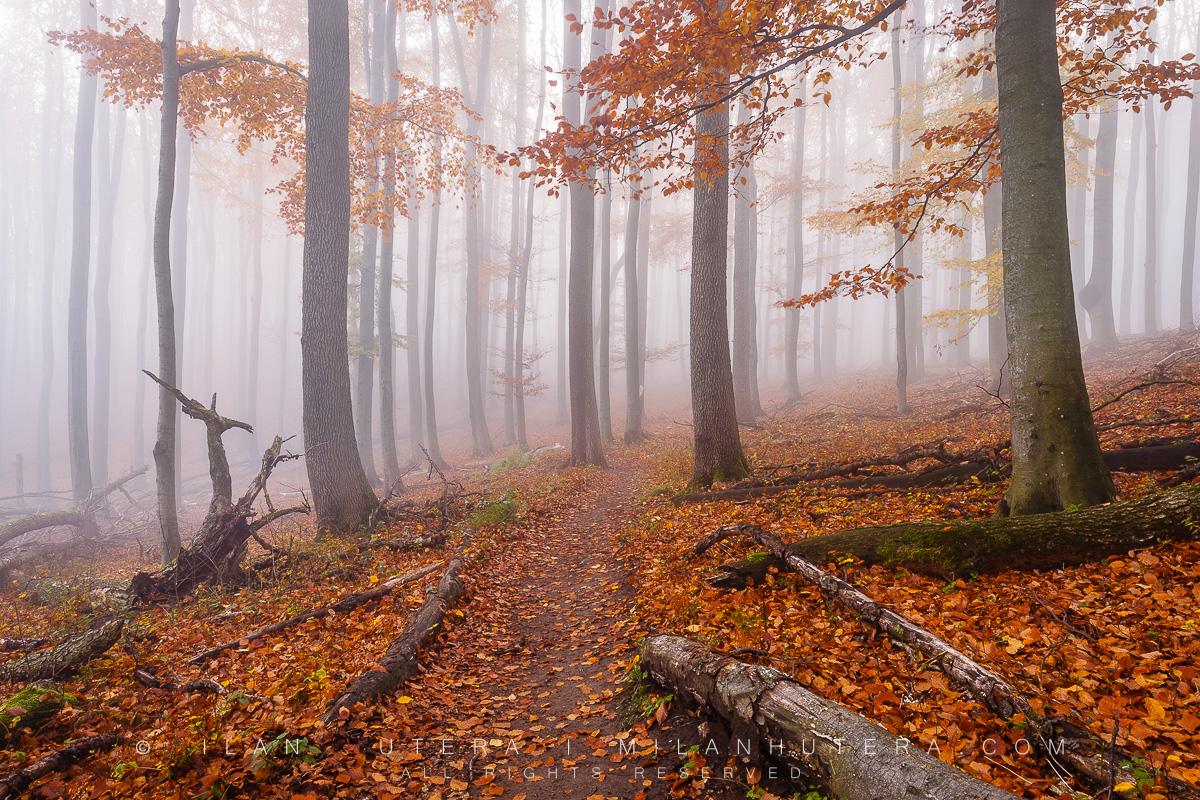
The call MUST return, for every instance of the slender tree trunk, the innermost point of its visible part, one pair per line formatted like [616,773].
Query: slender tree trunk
[1191,216]
[285,333]
[1077,222]
[51,158]
[1055,450]
[165,442]
[112,155]
[791,342]
[962,346]
[586,441]
[717,442]
[77,299]
[1150,285]
[603,369]
[387,357]
[416,339]
[635,382]
[1130,236]
[563,416]
[254,343]
[435,212]
[1097,295]
[342,497]
[898,235]
[179,245]
[743,292]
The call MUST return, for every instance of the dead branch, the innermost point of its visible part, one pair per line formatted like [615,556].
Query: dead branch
[343,606]
[80,517]
[64,658]
[16,783]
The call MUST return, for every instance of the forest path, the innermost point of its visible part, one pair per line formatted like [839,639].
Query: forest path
[537,669]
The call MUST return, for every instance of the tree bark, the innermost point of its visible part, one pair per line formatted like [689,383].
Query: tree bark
[603,370]
[1131,200]
[1056,453]
[387,357]
[587,445]
[165,444]
[791,340]
[1097,295]
[65,658]
[431,247]
[898,235]
[1150,276]
[77,297]
[16,783]
[341,494]
[819,740]
[716,440]
[744,234]
[635,381]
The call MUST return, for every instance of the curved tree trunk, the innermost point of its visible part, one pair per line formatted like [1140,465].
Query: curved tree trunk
[341,494]
[1056,452]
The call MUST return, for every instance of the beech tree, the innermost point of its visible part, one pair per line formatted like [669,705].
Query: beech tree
[342,497]
[1057,461]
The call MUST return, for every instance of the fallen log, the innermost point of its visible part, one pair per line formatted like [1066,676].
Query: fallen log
[65,658]
[972,465]
[819,740]
[399,662]
[31,706]
[1036,542]
[1075,746]
[343,606]
[16,783]
[79,517]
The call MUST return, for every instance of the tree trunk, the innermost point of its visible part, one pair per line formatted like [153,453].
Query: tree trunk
[1150,284]
[254,340]
[603,371]
[805,731]
[64,659]
[563,415]
[717,442]
[112,155]
[431,434]
[587,445]
[635,381]
[743,293]
[341,494]
[1056,452]
[1077,224]
[50,233]
[791,341]
[77,299]
[898,236]
[1131,199]
[1097,295]
[1191,216]
[387,357]
[166,437]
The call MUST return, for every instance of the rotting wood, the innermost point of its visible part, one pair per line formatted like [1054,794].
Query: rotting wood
[17,782]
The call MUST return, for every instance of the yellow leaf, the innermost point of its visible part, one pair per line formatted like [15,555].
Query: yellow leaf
[1014,645]
[1155,708]
[374,579]
[402,699]
[1123,786]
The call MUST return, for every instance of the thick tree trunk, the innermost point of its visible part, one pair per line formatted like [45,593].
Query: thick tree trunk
[819,740]
[1056,452]
[587,445]
[791,337]
[341,494]
[399,663]
[77,298]
[1191,216]
[1097,295]
[1034,542]
[717,442]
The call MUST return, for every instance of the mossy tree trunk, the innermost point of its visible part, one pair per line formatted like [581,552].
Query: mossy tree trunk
[1056,452]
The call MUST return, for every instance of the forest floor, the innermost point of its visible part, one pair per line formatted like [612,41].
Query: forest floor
[531,690]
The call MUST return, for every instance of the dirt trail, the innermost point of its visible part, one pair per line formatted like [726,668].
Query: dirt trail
[537,666]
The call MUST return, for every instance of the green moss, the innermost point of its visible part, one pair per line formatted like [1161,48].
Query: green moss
[755,558]
[30,707]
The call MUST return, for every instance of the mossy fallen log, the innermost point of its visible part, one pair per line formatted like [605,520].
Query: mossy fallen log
[961,547]
[31,706]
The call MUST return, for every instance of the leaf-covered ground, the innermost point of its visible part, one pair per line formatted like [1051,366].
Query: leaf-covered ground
[531,692]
